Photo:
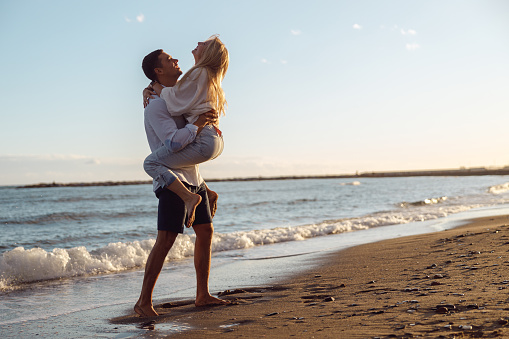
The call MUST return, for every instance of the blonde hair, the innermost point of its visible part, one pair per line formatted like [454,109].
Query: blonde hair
[215,60]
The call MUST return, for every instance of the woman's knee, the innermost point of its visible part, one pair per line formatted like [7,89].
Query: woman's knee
[148,164]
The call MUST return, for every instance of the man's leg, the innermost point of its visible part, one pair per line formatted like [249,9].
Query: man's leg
[155,261]
[202,255]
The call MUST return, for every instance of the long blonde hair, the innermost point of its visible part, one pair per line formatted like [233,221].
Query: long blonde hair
[215,60]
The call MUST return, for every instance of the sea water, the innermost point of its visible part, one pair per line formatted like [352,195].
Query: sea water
[69,250]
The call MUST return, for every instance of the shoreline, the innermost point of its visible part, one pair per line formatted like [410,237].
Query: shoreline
[443,284]
[386,174]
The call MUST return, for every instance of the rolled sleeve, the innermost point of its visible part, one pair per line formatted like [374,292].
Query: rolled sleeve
[181,138]
[165,128]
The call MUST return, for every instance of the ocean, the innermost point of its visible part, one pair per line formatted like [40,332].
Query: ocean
[74,253]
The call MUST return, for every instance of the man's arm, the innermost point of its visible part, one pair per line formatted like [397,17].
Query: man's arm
[166,128]
[184,136]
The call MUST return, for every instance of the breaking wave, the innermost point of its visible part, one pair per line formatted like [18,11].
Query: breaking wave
[21,266]
[430,201]
[498,189]
[353,183]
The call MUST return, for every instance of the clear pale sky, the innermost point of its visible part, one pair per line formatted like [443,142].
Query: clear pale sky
[314,87]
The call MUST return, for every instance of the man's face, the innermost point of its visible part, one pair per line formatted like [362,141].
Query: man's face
[169,66]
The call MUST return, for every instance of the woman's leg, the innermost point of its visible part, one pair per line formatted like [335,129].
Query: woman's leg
[214,152]
[167,179]
[207,145]
[213,196]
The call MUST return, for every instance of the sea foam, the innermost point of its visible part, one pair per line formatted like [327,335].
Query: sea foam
[499,189]
[20,266]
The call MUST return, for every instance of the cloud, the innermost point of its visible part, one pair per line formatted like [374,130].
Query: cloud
[296,31]
[268,62]
[139,18]
[412,46]
[408,32]
[357,26]
[31,169]
[93,162]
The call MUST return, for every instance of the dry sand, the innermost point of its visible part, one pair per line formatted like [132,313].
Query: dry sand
[449,284]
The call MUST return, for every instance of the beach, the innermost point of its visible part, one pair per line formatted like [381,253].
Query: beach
[447,284]
[72,259]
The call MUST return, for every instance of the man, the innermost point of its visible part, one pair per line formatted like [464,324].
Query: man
[159,126]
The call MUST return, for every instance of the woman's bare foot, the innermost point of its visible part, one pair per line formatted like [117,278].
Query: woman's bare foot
[147,311]
[191,200]
[212,201]
[191,203]
[210,301]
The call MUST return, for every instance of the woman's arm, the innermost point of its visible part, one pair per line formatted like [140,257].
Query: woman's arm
[148,93]
[156,87]
[187,97]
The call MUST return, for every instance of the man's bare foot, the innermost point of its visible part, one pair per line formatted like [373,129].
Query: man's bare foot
[212,201]
[210,301]
[191,204]
[144,312]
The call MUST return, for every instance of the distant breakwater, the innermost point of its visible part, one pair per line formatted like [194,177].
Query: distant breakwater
[391,174]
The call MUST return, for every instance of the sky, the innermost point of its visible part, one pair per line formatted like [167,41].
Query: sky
[313,88]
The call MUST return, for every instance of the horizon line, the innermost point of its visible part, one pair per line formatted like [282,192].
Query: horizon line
[462,171]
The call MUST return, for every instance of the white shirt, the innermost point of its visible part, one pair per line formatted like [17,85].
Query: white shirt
[189,98]
[160,127]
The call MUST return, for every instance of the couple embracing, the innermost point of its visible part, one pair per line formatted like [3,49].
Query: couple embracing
[181,123]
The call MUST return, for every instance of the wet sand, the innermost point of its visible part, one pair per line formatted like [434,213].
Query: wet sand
[448,284]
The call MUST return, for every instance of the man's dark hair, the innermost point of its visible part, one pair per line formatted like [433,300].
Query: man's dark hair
[151,61]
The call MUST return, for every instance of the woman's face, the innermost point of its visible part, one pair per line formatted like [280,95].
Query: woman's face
[198,51]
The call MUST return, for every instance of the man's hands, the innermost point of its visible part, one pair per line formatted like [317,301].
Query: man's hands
[208,118]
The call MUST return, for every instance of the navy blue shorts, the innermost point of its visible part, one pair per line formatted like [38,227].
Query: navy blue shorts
[172,214]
